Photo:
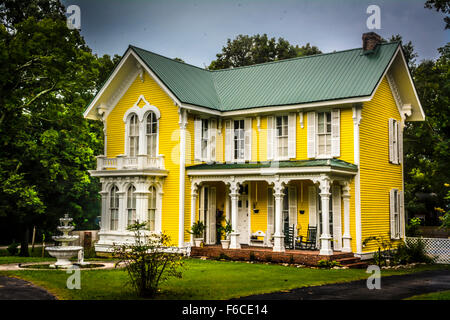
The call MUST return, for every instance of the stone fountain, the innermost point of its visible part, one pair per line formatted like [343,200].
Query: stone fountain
[64,252]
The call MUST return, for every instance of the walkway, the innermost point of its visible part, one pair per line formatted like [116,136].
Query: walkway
[17,289]
[392,288]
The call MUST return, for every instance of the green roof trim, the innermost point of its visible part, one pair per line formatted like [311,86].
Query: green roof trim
[323,77]
[333,163]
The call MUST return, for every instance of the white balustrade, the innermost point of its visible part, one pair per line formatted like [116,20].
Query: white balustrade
[123,162]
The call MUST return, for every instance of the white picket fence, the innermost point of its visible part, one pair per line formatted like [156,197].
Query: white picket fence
[439,248]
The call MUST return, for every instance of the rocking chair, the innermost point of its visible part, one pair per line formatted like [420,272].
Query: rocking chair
[310,242]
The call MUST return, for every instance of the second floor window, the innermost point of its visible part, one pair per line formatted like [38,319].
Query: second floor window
[282,134]
[239,139]
[133,136]
[151,134]
[131,205]
[205,138]
[114,208]
[324,134]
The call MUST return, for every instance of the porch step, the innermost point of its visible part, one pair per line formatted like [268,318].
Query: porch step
[350,261]
[347,261]
[357,265]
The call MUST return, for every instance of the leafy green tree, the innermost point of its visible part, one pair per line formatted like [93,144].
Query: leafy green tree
[442,6]
[247,50]
[47,77]
[427,143]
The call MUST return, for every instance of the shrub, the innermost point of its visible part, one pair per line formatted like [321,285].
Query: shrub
[223,256]
[13,248]
[411,251]
[147,260]
[328,264]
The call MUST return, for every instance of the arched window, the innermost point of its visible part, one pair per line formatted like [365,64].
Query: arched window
[133,135]
[131,205]
[114,207]
[151,133]
[151,208]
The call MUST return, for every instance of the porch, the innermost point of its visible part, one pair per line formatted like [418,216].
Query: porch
[262,200]
[265,254]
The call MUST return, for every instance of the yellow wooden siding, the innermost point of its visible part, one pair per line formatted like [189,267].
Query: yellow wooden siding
[168,142]
[377,175]
[347,139]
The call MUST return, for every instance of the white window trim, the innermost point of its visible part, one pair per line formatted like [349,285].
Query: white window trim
[395,200]
[142,118]
[327,155]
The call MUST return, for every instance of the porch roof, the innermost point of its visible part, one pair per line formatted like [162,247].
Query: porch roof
[330,163]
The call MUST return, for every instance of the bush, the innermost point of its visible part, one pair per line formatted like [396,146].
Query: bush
[13,248]
[328,264]
[148,261]
[411,251]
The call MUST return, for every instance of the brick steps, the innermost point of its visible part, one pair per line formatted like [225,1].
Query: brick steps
[351,261]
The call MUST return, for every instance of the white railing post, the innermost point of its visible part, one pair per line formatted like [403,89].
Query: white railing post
[100,162]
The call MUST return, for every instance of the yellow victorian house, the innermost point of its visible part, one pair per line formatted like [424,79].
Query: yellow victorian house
[299,147]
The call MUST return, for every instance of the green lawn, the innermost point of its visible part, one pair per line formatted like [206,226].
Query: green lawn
[441,295]
[201,280]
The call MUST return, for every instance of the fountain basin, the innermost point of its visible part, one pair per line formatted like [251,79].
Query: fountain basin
[63,254]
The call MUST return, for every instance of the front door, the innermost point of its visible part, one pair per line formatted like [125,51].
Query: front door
[243,219]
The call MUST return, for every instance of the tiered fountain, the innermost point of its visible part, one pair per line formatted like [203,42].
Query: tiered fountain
[64,252]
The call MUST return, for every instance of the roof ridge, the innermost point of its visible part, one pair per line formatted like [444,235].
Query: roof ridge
[297,58]
[173,60]
[263,63]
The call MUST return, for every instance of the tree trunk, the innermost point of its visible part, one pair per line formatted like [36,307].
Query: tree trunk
[24,242]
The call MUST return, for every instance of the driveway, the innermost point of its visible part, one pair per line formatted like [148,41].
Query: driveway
[17,289]
[392,288]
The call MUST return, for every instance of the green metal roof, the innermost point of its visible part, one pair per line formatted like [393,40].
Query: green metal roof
[322,77]
[334,163]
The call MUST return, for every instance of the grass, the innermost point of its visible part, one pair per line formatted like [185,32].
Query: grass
[202,279]
[440,295]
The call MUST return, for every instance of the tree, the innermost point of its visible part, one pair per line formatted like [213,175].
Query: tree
[47,77]
[247,50]
[427,143]
[442,6]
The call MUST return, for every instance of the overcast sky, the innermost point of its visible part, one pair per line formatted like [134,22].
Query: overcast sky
[195,30]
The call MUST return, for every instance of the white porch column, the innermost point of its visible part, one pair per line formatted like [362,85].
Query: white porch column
[234,196]
[346,237]
[194,194]
[105,221]
[278,243]
[325,238]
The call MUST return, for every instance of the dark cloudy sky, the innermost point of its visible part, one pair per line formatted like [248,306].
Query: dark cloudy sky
[195,30]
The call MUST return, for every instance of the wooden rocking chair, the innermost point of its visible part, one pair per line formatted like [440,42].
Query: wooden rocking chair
[310,242]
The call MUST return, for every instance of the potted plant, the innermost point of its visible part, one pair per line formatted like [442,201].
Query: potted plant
[197,230]
[225,232]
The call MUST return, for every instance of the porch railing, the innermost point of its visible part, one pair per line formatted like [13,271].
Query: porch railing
[123,162]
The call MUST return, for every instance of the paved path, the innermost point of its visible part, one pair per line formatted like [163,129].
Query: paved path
[17,289]
[392,288]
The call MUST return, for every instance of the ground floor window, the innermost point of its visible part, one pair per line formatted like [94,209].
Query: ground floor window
[151,209]
[114,208]
[131,205]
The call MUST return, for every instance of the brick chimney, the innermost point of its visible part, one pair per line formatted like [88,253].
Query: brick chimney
[370,41]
